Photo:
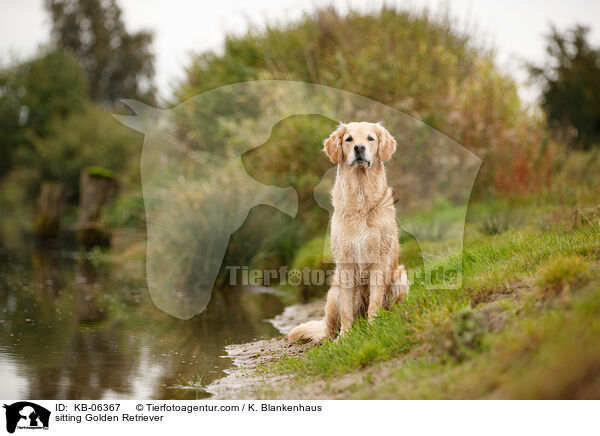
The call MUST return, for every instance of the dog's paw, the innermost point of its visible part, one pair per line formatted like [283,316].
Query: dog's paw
[341,335]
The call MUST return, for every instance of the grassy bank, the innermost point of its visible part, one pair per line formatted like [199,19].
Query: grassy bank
[525,324]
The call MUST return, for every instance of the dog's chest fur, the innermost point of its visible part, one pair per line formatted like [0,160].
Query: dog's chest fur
[358,235]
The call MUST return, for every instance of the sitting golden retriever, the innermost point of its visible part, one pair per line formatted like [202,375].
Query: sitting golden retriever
[364,235]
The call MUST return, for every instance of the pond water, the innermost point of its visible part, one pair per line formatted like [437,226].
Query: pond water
[70,330]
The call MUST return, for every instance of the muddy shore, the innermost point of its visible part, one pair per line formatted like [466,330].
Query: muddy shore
[245,380]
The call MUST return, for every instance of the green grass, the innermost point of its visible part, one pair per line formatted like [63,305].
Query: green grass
[504,333]
[563,271]
[542,354]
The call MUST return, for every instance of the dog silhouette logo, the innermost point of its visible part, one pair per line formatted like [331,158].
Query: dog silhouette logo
[26,415]
[197,191]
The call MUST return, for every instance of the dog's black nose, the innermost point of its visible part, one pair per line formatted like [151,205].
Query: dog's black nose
[359,148]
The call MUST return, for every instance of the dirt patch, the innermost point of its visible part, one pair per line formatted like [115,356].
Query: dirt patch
[511,290]
[245,380]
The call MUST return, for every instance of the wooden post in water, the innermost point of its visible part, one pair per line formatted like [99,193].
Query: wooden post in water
[97,187]
[51,204]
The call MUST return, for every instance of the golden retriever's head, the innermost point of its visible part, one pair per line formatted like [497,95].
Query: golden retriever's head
[359,144]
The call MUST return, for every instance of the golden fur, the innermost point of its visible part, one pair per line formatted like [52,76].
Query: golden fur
[364,235]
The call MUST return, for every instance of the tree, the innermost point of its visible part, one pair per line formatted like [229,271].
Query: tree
[89,137]
[35,95]
[571,84]
[118,64]
[413,62]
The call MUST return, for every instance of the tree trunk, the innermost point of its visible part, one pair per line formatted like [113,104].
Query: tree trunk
[51,204]
[95,191]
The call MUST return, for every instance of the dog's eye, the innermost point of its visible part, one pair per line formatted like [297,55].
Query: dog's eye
[349,139]
[370,138]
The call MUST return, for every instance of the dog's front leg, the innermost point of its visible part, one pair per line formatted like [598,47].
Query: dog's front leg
[377,289]
[346,299]
[332,310]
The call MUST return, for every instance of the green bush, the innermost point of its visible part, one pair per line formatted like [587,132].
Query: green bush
[414,62]
[89,138]
[126,211]
[34,96]
[460,334]
[563,271]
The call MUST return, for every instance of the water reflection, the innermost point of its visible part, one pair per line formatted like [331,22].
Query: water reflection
[68,331]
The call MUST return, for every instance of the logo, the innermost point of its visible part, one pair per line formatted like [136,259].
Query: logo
[26,415]
[198,192]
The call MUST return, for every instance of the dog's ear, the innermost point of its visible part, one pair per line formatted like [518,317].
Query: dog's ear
[333,145]
[387,144]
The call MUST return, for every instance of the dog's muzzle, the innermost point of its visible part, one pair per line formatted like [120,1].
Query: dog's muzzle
[359,156]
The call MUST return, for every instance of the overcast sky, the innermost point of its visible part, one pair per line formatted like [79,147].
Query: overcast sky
[515,27]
